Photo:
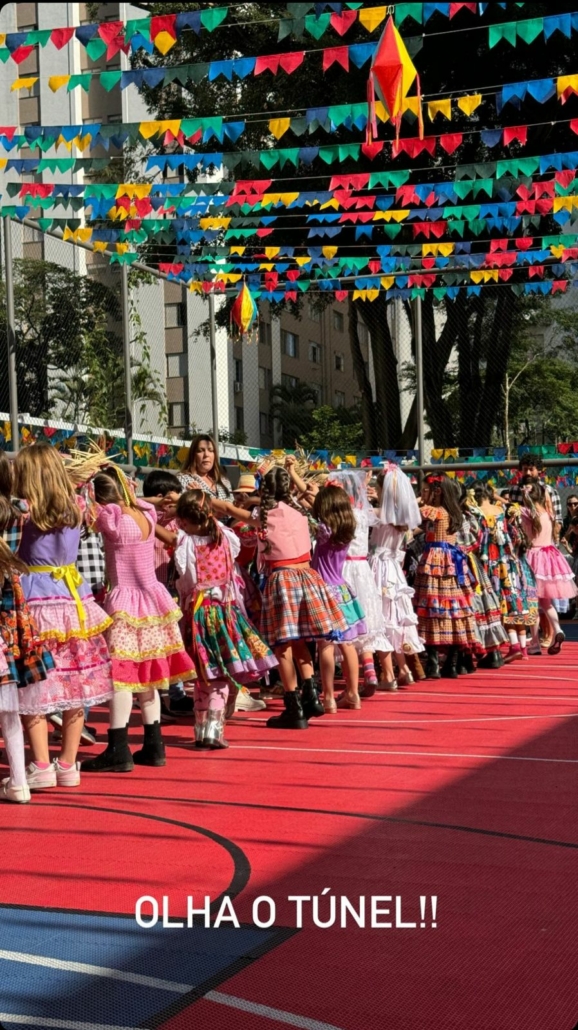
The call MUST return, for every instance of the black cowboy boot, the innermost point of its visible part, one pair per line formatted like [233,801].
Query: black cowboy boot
[432,669]
[117,757]
[450,669]
[153,750]
[493,660]
[466,664]
[293,717]
[312,707]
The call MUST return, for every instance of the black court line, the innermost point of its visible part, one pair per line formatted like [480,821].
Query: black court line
[401,820]
[240,879]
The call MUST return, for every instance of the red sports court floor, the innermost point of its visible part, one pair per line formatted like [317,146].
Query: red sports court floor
[462,790]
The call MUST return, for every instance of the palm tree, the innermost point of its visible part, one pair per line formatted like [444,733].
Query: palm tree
[292,406]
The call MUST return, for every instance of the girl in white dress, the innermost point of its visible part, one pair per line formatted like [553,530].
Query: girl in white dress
[398,513]
[360,580]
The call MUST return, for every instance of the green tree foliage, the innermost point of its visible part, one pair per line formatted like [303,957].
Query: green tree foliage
[338,430]
[292,407]
[479,332]
[69,347]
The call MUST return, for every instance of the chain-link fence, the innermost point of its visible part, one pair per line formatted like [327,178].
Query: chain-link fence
[336,377]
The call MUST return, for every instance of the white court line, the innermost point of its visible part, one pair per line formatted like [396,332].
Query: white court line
[408,754]
[541,698]
[56,1024]
[102,971]
[303,1022]
[434,722]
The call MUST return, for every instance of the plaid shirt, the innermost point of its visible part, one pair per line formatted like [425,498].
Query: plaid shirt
[517,497]
[90,560]
[11,533]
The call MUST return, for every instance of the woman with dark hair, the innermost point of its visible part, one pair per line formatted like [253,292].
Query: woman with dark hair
[443,583]
[202,471]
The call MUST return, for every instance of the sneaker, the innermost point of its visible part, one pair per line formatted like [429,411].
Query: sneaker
[67,777]
[166,716]
[246,703]
[181,705]
[55,719]
[39,779]
[19,795]
[88,735]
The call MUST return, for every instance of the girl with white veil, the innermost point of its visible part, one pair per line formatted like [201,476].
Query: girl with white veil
[359,578]
[398,513]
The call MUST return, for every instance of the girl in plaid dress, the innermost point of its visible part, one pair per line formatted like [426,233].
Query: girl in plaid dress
[225,646]
[297,605]
[444,584]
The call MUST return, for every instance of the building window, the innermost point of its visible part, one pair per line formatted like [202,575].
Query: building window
[176,366]
[339,399]
[362,333]
[289,382]
[265,424]
[290,344]
[265,333]
[315,352]
[238,371]
[339,363]
[113,119]
[178,415]
[30,235]
[338,321]
[318,391]
[239,419]
[174,316]
[314,313]
[265,378]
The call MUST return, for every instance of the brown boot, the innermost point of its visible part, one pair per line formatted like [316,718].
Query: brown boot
[415,666]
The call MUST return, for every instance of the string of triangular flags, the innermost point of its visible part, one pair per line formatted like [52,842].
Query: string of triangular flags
[161,32]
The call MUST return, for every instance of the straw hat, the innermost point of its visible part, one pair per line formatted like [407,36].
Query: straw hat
[246,484]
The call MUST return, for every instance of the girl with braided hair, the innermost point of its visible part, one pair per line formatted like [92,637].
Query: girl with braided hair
[554,577]
[297,605]
[225,646]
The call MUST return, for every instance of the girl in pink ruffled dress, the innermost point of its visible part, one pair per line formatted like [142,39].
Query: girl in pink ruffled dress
[69,622]
[554,577]
[145,641]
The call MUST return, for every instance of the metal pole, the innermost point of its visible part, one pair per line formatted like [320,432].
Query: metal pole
[11,336]
[419,378]
[128,428]
[214,381]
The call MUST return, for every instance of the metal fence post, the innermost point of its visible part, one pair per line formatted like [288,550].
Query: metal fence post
[11,335]
[419,378]
[126,334]
[214,380]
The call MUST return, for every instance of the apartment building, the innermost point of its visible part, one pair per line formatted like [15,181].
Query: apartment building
[313,349]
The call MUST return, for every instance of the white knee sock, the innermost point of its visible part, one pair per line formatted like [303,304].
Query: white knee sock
[120,709]
[522,638]
[513,637]
[150,707]
[14,744]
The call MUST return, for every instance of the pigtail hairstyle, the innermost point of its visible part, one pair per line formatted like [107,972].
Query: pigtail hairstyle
[195,507]
[8,511]
[276,489]
[333,508]
[10,563]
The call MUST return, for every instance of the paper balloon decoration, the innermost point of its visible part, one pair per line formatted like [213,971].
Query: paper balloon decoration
[391,76]
[244,311]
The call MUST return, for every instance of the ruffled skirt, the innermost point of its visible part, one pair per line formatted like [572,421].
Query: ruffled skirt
[297,605]
[487,608]
[553,575]
[351,611]
[359,578]
[24,660]
[444,598]
[148,653]
[225,645]
[396,599]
